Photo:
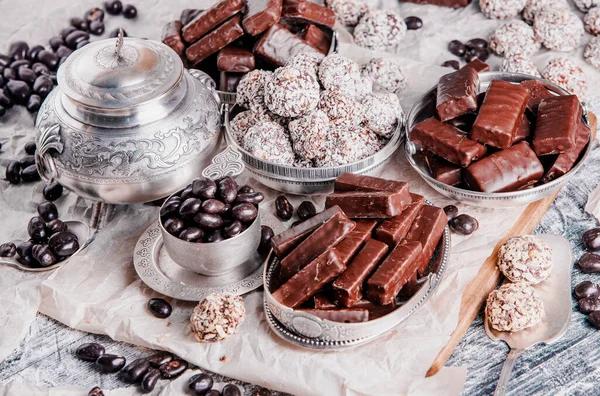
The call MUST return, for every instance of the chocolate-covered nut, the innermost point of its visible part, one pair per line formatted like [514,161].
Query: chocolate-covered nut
[586,289]
[48,58]
[266,234]
[464,224]
[47,211]
[30,147]
[591,239]
[232,229]
[451,211]
[56,42]
[252,198]
[246,190]
[24,254]
[457,48]
[209,221]
[79,23]
[42,85]
[190,207]
[113,7]
[89,352]
[283,208]
[594,319]
[43,255]
[96,28]
[173,369]
[53,191]
[478,43]
[187,193]
[32,53]
[80,44]
[204,188]
[160,307]
[150,379]
[413,23]
[27,75]
[306,210]
[482,53]
[199,384]
[191,234]
[30,174]
[37,228]
[246,213]
[8,249]
[589,263]
[94,14]
[109,363]
[18,50]
[55,226]
[63,51]
[171,206]
[40,69]
[231,390]
[19,91]
[129,11]
[66,31]
[227,190]
[160,358]
[26,161]
[74,38]
[4,60]
[9,74]
[174,225]
[135,371]
[213,392]
[16,65]
[64,243]
[211,236]
[213,206]
[95,391]
[13,172]
[589,304]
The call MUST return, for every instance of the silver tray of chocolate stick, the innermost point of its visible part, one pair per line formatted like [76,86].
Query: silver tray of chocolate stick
[497,139]
[356,270]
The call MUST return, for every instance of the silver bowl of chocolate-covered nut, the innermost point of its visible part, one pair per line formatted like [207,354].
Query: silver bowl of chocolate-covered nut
[425,108]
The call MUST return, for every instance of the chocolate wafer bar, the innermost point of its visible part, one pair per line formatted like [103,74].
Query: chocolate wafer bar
[369,205]
[537,92]
[442,170]
[317,38]
[565,161]
[171,36]
[278,45]
[261,15]
[353,182]
[457,93]
[427,229]
[524,130]
[215,40]
[393,230]
[305,11]
[211,18]
[556,125]
[235,59]
[348,247]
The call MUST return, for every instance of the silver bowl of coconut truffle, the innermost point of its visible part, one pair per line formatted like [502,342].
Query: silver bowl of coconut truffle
[303,125]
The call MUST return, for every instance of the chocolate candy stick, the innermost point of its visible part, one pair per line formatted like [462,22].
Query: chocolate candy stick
[537,91]
[317,38]
[322,301]
[347,288]
[310,279]
[340,315]
[329,234]
[524,130]
[171,36]
[278,45]
[353,241]
[305,11]
[215,40]
[500,114]
[369,204]
[394,230]
[556,125]
[211,18]
[393,273]
[507,170]
[565,161]
[457,93]
[352,182]
[261,15]
[447,142]
[375,311]
[479,65]
[228,82]
[427,229]
[234,59]
[442,170]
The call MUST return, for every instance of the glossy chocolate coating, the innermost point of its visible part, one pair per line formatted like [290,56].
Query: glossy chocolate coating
[442,170]
[556,125]
[524,131]
[261,15]
[348,247]
[211,18]
[353,182]
[370,205]
[427,229]
[537,92]
[278,45]
[215,40]
[171,36]
[317,38]
[443,3]
[353,315]
[235,60]
[457,93]
[479,65]
[305,11]
[394,230]
[565,161]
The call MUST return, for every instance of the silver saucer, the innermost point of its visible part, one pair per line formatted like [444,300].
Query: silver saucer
[157,270]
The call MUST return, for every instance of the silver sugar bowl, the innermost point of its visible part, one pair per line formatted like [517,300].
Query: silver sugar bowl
[127,122]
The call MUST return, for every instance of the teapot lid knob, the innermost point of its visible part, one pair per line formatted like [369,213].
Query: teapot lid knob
[119,43]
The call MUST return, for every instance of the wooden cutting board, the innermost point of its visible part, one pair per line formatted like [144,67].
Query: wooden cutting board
[488,277]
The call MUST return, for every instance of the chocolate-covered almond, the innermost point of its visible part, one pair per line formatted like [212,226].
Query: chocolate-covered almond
[266,234]
[589,263]
[204,188]
[44,255]
[227,190]
[171,206]
[464,224]
[150,379]
[591,239]
[55,226]
[160,358]
[232,229]
[306,210]
[209,221]
[589,304]
[160,307]
[89,352]
[64,243]
[173,369]
[283,208]
[213,206]
[252,198]
[108,363]
[586,289]
[48,211]
[174,225]
[190,207]
[246,213]
[191,234]
[246,189]
[135,371]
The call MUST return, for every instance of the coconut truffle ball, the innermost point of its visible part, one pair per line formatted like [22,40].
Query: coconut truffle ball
[240,125]
[514,307]
[372,141]
[342,147]
[342,110]
[591,21]
[559,30]
[291,92]
[382,112]
[339,73]
[386,74]
[534,6]
[592,53]
[514,36]
[501,9]
[566,74]
[379,30]
[308,134]
[308,61]
[303,163]
[364,86]
[250,90]
[517,63]
[525,259]
[586,5]
[269,142]
[217,317]
[348,12]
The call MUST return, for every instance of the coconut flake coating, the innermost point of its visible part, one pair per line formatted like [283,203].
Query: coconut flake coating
[348,12]
[339,73]
[382,112]
[269,142]
[566,74]
[533,7]
[386,74]
[379,30]
[514,36]
[303,163]
[592,53]
[308,61]
[517,63]
[501,9]
[342,147]
[525,259]
[342,110]
[250,90]
[514,307]
[591,21]
[217,317]
[364,86]
[240,125]
[586,5]
[291,92]
[559,30]
[308,134]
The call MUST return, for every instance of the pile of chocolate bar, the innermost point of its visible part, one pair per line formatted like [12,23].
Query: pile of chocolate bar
[234,37]
[354,261]
[513,137]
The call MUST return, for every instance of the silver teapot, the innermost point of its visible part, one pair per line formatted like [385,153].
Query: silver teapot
[127,122]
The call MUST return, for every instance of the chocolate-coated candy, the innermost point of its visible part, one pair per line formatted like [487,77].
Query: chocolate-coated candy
[56,42]
[26,161]
[53,191]
[451,211]
[37,228]
[245,190]
[4,60]
[79,23]
[191,234]
[66,31]
[115,33]
[129,11]
[18,50]
[19,91]
[209,220]
[89,352]
[63,51]
[108,363]
[48,58]
[113,7]
[136,370]
[150,379]
[306,210]
[30,147]
[190,207]
[266,234]
[160,307]
[75,37]
[16,65]
[32,53]
[595,319]
[457,48]
[64,243]
[589,304]
[42,84]
[589,263]
[452,64]
[227,190]
[477,43]
[5,100]
[591,239]
[213,392]
[413,23]
[9,74]
[586,289]
[30,174]
[96,28]
[43,255]
[27,75]
[24,254]
[8,249]
[171,206]
[464,224]
[232,229]
[187,193]
[94,14]
[482,53]
[283,208]
[160,358]
[204,188]
[246,213]
[173,369]
[47,211]
[213,236]
[40,69]
[231,390]
[55,226]
[199,384]
[174,225]
[213,206]
[262,392]
[80,44]
[96,391]
[13,172]
[252,198]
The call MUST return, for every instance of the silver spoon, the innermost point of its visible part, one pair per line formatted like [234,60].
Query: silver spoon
[555,293]
[79,228]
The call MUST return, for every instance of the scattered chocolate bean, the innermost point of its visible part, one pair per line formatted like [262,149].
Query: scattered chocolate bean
[89,352]
[204,188]
[591,239]
[19,91]
[30,174]
[79,23]
[589,304]
[113,7]
[266,234]
[53,191]
[74,38]
[66,31]
[8,249]
[246,190]
[80,44]
[24,254]
[457,48]
[64,243]
[42,84]
[96,392]
[48,58]
[589,263]
[26,161]
[252,198]
[43,255]
[246,213]
[413,23]
[231,390]
[63,51]
[32,53]
[594,319]
[586,289]
[209,221]
[115,33]
[174,225]
[47,211]
[306,210]
[129,11]
[464,224]
[191,234]
[453,64]
[227,190]
[160,358]
[9,74]
[173,369]
[199,384]
[13,172]
[30,147]
[232,229]
[94,14]
[16,65]
[18,50]
[37,228]
[213,206]
[150,379]
[451,211]
[96,28]
[55,226]
[160,307]
[190,207]
[135,371]
[27,75]
[108,363]
[478,43]
[283,208]
[482,53]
